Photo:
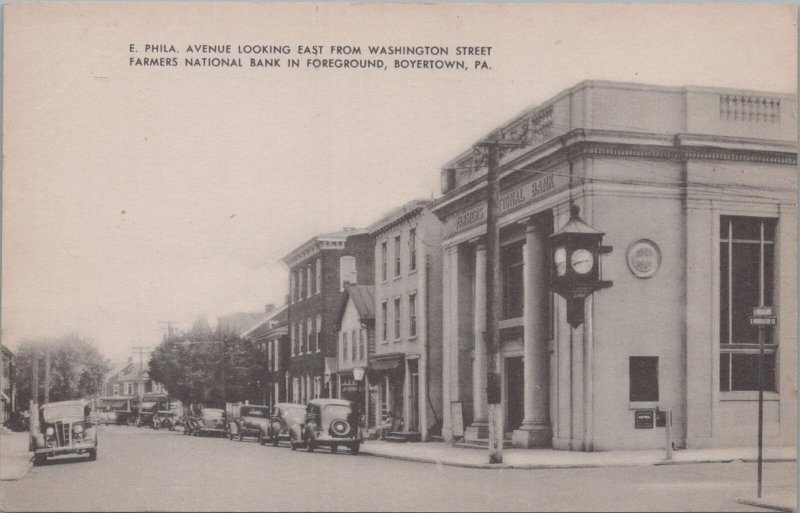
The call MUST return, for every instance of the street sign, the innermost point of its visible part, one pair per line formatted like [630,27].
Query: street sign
[763,321]
[762,311]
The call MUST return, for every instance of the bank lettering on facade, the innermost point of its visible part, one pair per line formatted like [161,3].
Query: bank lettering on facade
[516,198]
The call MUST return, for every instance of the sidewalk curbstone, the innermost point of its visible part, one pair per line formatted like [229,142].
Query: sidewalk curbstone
[761,503]
[555,466]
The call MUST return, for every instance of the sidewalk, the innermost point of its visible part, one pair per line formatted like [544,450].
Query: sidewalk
[444,454]
[777,500]
[15,460]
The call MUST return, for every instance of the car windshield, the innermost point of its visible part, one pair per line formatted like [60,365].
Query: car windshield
[254,412]
[55,413]
[338,411]
[212,414]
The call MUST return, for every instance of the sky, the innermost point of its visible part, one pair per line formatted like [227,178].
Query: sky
[138,195]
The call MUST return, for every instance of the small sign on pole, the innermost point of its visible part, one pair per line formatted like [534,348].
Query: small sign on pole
[762,316]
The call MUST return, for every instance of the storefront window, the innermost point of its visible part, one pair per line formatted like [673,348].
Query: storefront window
[747,267]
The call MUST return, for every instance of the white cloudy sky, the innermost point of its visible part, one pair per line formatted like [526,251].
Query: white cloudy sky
[134,196]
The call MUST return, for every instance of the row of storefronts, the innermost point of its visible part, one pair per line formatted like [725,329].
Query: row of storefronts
[693,192]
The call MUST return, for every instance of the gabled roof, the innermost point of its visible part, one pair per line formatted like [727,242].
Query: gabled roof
[363,297]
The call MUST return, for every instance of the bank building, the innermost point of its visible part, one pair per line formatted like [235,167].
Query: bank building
[693,193]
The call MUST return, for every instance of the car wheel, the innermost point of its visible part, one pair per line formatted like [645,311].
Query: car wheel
[355,447]
[334,448]
[39,460]
[93,455]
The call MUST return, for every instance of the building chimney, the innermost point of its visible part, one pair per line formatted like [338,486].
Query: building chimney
[269,307]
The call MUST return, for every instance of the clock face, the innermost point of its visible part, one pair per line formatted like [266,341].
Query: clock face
[582,261]
[560,258]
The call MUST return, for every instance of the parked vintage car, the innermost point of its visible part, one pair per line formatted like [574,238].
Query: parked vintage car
[328,422]
[247,420]
[284,415]
[64,428]
[18,421]
[146,411]
[211,421]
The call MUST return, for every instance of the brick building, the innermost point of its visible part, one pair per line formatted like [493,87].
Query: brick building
[272,336]
[406,369]
[318,271]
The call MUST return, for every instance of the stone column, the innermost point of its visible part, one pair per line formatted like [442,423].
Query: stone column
[479,429]
[535,430]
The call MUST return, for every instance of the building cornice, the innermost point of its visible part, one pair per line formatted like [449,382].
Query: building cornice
[580,143]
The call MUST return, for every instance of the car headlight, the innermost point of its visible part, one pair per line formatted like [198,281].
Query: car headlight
[78,429]
[49,431]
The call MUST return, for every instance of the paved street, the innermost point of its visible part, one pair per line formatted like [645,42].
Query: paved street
[141,469]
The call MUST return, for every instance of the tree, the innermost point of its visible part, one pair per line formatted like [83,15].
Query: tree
[190,365]
[77,368]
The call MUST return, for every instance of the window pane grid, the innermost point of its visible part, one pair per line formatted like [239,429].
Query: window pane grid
[747,258]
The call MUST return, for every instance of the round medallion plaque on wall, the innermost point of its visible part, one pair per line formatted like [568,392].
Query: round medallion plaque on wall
[644,258]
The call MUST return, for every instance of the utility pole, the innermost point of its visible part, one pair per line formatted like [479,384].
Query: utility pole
[141,350]
[493,148]
[47,375]
[33,422]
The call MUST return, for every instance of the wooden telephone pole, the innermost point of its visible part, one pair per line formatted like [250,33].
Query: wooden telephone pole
[46,375]
[493,149]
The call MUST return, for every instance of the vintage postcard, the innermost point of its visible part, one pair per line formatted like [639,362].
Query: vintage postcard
[398,257]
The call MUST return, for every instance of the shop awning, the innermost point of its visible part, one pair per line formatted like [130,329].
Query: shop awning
[147,405]
[386,362]
[118,405]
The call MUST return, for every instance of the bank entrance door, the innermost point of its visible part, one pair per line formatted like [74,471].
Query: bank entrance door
[515,389]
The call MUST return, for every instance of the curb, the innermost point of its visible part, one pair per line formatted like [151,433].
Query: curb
[534,466]
[760,503]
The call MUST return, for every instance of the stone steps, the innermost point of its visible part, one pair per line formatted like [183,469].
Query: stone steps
[403,437]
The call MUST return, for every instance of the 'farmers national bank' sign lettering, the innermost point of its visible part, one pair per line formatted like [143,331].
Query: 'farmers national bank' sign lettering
[508,201]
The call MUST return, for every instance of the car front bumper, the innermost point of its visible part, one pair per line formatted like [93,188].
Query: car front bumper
[71,449]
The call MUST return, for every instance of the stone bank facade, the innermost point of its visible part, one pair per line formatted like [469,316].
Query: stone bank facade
[695,190]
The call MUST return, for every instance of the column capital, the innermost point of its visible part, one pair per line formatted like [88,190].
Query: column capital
[531,223]
[479,243]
